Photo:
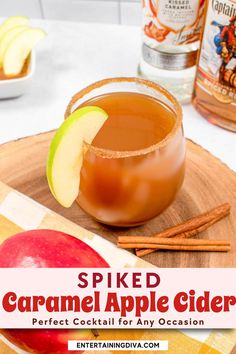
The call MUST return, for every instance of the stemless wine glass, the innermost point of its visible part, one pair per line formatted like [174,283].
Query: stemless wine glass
[128,188]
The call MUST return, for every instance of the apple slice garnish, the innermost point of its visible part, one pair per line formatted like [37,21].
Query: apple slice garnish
[8,37]
[66,152]
[12,22]
[19,49]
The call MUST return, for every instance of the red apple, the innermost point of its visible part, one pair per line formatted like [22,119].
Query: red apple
[47,249]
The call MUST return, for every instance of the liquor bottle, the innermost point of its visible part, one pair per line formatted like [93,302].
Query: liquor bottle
[215,85]
[171,32]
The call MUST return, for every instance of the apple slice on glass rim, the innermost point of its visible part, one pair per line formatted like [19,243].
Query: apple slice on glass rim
[65,157]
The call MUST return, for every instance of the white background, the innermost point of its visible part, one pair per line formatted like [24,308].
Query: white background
[102,11]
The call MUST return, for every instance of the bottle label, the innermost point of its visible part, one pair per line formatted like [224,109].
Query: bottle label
[172,22]
[217,65]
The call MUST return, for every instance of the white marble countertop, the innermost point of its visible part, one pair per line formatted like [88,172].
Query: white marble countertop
[77,54]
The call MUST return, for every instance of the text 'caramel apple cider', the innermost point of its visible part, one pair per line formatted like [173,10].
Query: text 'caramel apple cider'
[134,166]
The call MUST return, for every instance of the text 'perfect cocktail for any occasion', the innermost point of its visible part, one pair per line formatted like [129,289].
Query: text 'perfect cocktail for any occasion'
[120,152]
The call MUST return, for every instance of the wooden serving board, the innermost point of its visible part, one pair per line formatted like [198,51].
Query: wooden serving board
[22,164]
[208,183]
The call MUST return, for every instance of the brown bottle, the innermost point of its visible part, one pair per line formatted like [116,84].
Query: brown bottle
[215,84]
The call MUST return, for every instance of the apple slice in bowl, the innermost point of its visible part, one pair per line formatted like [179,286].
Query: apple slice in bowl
[19,49]
[17,56]
[8,37]
[17,86]
[12,22]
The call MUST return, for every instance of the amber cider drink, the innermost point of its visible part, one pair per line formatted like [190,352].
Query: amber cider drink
[132,122]
[135,165]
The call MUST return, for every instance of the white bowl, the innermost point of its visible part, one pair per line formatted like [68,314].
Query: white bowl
[17,87]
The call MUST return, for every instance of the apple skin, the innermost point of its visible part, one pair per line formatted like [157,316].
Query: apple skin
[66,152]
[47,249]
[46,341]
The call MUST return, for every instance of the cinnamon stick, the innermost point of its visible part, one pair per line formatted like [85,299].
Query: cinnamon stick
[189,234]
[212,248]
[191,227]
[174,243]
[153,241]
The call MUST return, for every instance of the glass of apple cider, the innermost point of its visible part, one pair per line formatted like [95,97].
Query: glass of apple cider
[135,165]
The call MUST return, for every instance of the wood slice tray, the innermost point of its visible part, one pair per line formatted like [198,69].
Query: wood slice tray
[208,183]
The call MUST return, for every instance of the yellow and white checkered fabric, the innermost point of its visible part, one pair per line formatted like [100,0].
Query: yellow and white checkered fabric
[19,213]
